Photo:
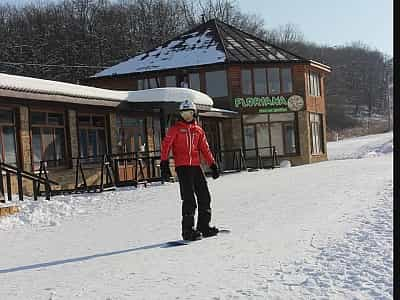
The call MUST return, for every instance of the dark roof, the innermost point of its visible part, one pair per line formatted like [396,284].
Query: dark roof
[243,47]
[209,43]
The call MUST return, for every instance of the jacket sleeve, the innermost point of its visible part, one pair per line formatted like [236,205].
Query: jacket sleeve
[205,149]
[167,143]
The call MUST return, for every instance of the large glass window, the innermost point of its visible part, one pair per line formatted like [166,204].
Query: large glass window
[48,138]
[277,137]
[7,137]
[246,82]
[249,141]
[148,83]
[170,81]
[260,81]
[263,139]
[314,84]
[194,81]
[92,135]
[132,133]
[287,86]
[316,133]
[274,83]
[216,84]
[290,139]
[276,130]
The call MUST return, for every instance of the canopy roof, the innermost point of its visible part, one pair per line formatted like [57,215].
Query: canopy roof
[11,85]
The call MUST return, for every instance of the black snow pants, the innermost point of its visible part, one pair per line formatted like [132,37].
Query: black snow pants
[192,181]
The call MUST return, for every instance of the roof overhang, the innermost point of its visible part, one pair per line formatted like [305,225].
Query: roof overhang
[320,66]
[170,95]
[36,96]
[47,90]
[219,113]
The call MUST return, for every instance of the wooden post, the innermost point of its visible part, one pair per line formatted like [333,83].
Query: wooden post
[8,186]
[2,199]
[19,180]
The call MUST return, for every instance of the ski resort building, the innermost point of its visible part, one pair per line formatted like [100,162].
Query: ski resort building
[259,104]
[80,136]
[280,96]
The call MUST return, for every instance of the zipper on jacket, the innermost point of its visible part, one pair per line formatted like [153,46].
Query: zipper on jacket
[190,148]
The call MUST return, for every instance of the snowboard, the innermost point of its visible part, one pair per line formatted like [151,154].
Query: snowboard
[178,243]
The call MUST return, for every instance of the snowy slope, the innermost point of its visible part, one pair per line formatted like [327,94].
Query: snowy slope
[321,231]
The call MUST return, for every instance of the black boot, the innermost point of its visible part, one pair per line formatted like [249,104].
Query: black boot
[188,231]
[191,234]
[208,231]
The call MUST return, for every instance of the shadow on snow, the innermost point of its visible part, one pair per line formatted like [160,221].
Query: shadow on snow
[83,258]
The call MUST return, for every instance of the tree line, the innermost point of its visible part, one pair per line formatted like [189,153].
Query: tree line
[85,36]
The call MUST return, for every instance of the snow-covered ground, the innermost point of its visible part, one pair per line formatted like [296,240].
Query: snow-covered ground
[320,231]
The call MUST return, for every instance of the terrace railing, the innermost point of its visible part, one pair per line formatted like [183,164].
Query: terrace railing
[261,157]
[21,174]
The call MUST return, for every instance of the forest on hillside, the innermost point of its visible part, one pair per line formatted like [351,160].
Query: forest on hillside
[69,40]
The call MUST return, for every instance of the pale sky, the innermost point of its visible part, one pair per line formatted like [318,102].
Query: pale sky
[336,22]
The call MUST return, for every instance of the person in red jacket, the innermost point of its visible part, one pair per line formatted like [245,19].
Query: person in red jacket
[188,140]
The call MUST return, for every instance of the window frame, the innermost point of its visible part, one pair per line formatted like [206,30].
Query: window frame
[293,122]
[190,80]
[314,83]
[319,149]
[63,162]
[121,129]
[92,127]
[2,144]
[267,81]
[226,92]
[250,70]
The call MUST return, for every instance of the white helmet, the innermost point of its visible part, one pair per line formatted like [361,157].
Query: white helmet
[187,105]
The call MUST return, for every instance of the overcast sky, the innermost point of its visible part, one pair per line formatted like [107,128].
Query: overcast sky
[337,22]
[331,23]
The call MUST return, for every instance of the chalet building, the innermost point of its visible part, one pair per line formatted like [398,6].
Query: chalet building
[280,96]
[65,130]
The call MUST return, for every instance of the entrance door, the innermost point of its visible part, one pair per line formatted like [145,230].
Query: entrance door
[211,129]
[263,139]
[250,141]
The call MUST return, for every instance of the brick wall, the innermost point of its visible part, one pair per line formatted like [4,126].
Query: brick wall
[304,138]
[73,133]
[25,140]
[112,116]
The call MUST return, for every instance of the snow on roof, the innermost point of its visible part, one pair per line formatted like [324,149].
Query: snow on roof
[209,43]
[49,87]
[196,48]
[170,94]
[42,86]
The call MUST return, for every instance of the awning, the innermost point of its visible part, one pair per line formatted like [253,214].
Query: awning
[219,113]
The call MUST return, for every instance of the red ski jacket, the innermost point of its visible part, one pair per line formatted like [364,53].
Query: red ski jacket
[187,140]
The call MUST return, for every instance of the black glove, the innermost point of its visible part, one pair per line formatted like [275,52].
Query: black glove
[214,171]
[165,171]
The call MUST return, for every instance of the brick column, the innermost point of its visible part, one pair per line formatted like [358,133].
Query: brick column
[113,132]
[73,132]
[25,138]
[304,137]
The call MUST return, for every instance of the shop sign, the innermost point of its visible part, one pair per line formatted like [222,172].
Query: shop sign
[269,104]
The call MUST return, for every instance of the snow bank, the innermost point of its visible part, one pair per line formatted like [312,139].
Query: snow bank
[361,147]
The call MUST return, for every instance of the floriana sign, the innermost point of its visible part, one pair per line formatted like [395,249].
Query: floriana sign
[269,104]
